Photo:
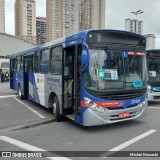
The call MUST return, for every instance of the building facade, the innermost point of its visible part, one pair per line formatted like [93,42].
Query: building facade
[91,14]
[65,17]
[41,30]
[132,25]
[61,18]
[2,16]
[151,38]
[25,19]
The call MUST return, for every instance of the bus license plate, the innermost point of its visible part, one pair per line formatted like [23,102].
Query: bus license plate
[124,115]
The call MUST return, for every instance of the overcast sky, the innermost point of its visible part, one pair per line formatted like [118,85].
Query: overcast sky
[116,13]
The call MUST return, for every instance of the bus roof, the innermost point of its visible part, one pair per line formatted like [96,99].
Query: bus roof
[80,35]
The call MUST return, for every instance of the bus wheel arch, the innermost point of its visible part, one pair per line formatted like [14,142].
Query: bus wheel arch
[53,103]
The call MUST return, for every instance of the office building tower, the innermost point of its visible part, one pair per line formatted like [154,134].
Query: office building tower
[133,25]
[41,30]
[150,38]
[2,17]
[25,19]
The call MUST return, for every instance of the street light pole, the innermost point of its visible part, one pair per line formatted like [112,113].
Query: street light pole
[136,13]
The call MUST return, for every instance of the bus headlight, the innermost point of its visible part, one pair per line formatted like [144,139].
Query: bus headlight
[94,106]
[103,110]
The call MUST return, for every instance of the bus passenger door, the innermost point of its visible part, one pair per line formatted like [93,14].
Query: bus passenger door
[70,82]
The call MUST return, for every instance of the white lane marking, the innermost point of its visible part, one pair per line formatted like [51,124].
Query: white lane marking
[154,107]
[128,143]
[7,96]
[31,109]
[28,147]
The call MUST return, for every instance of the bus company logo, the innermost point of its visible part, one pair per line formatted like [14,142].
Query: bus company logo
[122,104]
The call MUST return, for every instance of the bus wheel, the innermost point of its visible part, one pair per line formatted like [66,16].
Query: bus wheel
[20,92]
[56,110]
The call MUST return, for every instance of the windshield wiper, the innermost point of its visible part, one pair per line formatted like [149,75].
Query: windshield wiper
[133,58]
[112,55]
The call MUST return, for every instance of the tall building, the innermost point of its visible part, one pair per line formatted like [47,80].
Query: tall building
[150,38]
[25,19]
[65,17]
[2,16]
[62,16]
[92,14]
[132,25]
[41,30]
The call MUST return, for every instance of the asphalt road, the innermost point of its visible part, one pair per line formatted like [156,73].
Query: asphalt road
[137,135]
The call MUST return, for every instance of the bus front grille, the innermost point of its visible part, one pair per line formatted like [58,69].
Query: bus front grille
[122,96]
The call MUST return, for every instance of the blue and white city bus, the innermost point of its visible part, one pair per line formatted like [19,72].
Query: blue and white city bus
[94,77]
[153,64]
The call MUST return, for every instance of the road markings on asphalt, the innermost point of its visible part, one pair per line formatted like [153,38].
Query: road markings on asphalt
[154,107]
[28,147]
[31,109]
[7,96]
[128,143]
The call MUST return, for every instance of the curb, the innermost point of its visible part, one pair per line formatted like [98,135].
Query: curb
[28,125]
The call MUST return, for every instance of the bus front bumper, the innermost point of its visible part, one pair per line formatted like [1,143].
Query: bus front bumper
[154,96]
[93,118]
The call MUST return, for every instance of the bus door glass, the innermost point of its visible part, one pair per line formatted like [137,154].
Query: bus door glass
[25,75]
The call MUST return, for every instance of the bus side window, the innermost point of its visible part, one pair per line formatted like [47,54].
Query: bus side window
[18,64]
[44,61]
[56,60]
[36,62]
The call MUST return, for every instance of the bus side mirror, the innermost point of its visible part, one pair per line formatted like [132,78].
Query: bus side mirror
[85,57]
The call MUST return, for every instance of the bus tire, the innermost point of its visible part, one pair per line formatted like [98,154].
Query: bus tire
[20,92]
[56,109]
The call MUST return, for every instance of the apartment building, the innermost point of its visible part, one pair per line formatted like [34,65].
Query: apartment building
[150,38]
[41,30]
[92,14]
[133,25]
[2,16]
[25,19]
[65,17]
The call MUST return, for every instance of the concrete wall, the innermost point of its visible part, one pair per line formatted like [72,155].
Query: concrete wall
[10,44]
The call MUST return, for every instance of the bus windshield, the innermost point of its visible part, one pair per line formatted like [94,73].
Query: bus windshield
[154,68]
[109,71]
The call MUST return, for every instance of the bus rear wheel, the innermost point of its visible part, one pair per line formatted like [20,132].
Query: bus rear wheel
[20,92]
[56,110]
